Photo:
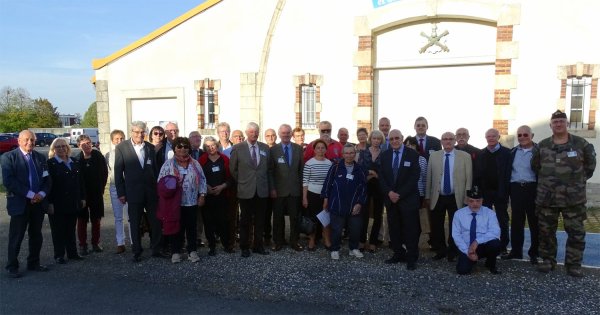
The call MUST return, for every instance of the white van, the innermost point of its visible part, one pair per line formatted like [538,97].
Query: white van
[91,132]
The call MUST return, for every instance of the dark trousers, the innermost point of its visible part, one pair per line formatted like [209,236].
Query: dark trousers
[252,210]
[488,250]
[444,204]
[315,205]
[187,230]
[268,227]
[31,221]
[82,231]
[215,220]
[233,217]
[374,194]
[63,234]
[500,205]
[280,205]
[522,203]
[405,229]
[135,218]
[353,225]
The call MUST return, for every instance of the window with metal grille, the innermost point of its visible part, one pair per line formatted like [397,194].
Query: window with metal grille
[578,101]
[209,108]
[308,99]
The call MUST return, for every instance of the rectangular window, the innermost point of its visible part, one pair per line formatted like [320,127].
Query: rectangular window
[308,100]
[209,108]
[578,101]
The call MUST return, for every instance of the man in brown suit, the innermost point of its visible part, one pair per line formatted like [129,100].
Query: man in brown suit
[249,166]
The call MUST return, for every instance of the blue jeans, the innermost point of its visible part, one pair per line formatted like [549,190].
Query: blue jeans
[337,225]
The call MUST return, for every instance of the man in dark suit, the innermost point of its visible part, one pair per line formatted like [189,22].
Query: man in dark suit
[287,164]
[135,179]
[492,174]
[25,176]
[425,144]
[399,178]
[249,167]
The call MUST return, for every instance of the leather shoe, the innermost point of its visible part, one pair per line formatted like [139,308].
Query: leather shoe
[212,252]
[41,268]
[276,248]
[120,249]
[511,256]
[97,249]
[297,247]
[229,250]
[137,258]
[76,257]
[245,253]
[161,255]
[260,251]
[495,271]
[439,256]
[395,259]
[14,273]
[533,260]
[60,260]
[575,272]
[411,265]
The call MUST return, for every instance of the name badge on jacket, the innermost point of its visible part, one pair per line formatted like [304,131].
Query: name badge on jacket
[280,160]
[350,176]
[216,169]
[406,164]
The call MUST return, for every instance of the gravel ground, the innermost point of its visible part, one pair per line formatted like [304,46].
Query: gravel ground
[284,282]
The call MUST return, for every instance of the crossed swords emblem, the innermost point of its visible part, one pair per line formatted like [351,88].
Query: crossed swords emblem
[434,40]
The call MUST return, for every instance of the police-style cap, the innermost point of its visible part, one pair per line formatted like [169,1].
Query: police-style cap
[474,193]
[558,114]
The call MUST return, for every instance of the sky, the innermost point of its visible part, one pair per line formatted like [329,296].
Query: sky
[47,46]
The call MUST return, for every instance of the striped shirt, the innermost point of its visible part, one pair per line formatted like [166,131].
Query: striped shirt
[314,174]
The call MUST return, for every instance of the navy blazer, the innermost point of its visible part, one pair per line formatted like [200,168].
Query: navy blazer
[136,183]
[67,187]
[15,175]
[407,181]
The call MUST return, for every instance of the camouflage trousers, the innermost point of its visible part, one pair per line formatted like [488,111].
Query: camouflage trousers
[573,218]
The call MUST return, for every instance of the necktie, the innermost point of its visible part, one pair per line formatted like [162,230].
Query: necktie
[35,181]
[195,154]
[447,189]
[421,148]
[473,229]
[254,160]
[396,164]
[286,151]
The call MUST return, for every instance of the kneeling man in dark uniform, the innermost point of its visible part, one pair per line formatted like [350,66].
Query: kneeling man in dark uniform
[476,233]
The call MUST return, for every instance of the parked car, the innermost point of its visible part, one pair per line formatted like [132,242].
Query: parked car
[8,142]
[43,139]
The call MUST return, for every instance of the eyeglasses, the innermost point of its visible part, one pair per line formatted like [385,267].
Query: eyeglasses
[394,138]
[172,130]
[138,132]
[182,146]
[523,135]
[158,133]
[448,139]
[326,130]
[85,143]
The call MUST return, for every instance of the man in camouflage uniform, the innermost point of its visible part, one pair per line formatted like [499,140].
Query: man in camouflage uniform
[563,162]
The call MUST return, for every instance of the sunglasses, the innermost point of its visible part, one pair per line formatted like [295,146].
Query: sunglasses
[523,135]
[326,130]
[158,133]
[182,146]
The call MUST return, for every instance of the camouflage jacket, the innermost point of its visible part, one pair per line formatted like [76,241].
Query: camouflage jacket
[563,170]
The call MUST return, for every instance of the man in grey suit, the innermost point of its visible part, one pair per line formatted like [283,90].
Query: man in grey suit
[135,179]
[287,164]
[25,176]
[449,175]
[249,167]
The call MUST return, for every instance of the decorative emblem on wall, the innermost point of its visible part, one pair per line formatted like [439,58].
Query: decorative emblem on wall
[434,40]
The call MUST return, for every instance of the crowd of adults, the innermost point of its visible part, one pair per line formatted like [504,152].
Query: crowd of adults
[236,191]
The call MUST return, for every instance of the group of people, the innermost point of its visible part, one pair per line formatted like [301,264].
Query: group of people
[236,186]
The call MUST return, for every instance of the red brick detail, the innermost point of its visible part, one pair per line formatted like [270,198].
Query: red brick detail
[365,99]
[504,33]
[501,97]
[364,124]
[503,66]
[594,93]
[592,119]
[365,73]
[563,88]
[501,126]
[365,43]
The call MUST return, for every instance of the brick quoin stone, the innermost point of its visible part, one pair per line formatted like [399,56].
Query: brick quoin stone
[592,119]
[365,99]
[501,126]
[365,43]
[563,88]
[502,97]
[594,93]
[503,66]
[364,124]
[365,73]
[504,33]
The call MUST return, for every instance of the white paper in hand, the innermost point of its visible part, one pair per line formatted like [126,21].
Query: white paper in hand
[323,216]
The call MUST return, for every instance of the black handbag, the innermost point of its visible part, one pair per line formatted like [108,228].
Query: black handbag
[306,225]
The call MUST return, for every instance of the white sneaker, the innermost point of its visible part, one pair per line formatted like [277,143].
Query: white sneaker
[193,257]
[176,258]
[335,255]
[356,253]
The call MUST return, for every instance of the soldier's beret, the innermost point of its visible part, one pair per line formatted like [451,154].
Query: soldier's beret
[558,114]
[474,193]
